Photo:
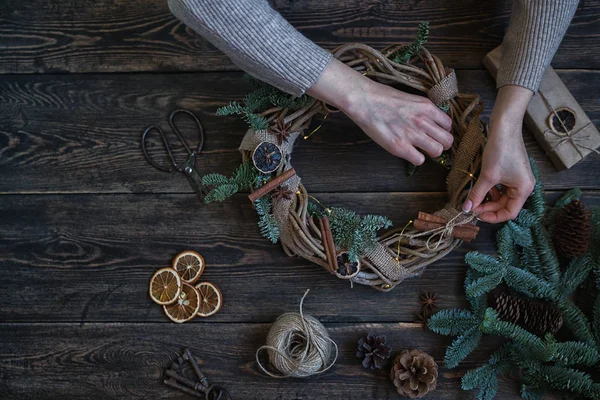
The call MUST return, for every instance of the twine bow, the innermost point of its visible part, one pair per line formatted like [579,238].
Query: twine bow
[568,136]
[445,231]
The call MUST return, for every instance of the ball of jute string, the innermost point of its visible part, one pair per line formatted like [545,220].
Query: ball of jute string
[298,346]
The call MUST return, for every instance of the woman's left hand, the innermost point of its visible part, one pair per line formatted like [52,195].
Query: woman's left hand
[505,160]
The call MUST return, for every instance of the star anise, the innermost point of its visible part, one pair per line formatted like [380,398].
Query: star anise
[280,130]
[424,315]
[282,192]
[428,300]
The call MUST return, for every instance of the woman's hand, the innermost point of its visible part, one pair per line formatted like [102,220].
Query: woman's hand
[399,122]
[505,160]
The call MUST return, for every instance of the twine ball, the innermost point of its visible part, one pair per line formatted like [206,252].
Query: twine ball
[298,346]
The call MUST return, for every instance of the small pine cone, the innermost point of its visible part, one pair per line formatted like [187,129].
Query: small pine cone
[414,373]
[573,230]
[541,317]
[509,308]
[374,351]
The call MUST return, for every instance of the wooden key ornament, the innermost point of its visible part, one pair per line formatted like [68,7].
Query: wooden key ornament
[428,222]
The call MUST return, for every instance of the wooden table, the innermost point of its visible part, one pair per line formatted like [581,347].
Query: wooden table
[85,221]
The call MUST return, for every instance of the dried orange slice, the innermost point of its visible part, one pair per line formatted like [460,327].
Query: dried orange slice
[211,299]
[189,265]
[165,286]
[186,306]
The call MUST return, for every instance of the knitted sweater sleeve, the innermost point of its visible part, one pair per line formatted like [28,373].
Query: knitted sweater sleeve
[534,33]
[257,39]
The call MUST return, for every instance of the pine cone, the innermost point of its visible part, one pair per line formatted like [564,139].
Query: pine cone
[508,307]
[374,351]
[573,230]
[537,317]
[414,373]
[541,317]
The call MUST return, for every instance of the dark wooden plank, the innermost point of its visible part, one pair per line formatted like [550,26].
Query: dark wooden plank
[110,361]
[142,35]
[81,133]
[89,258]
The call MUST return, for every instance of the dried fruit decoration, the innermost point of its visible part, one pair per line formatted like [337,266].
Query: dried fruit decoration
[346,267]
[267,157]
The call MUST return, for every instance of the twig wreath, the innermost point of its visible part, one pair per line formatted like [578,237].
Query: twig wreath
[338,239]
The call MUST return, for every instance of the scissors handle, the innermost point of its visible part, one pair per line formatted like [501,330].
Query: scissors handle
[167,147]
[177,132]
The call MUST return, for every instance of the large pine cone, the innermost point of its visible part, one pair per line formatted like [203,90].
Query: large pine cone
[535,316]
[414,373]
[374,351]
[573,230]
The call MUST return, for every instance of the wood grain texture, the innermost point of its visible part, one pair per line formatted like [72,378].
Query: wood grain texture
[81,134]
[89,258]
[142,35]
[117,361]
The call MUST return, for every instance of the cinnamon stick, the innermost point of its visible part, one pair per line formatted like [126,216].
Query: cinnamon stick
[458,232]
[441,220]
[272,184]
[325,241]
[330,242]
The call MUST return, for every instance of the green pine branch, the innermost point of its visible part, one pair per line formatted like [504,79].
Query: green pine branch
[263,97]
[405,54]
[354,233]
[223,187]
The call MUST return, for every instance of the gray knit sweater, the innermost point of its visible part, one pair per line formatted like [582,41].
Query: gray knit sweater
[261,42]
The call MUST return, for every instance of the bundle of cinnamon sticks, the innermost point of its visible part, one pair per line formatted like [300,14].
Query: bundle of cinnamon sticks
[427,222]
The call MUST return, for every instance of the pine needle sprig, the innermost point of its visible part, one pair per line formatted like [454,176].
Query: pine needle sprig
[223,187]
[355,233]
[263,97]
[406,53]
[266,220]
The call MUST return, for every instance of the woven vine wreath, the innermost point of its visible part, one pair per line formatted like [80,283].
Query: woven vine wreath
[303,223]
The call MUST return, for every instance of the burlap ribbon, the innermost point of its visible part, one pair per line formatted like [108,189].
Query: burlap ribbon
[444,90]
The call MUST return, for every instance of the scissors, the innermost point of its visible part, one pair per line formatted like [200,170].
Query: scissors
[188,166]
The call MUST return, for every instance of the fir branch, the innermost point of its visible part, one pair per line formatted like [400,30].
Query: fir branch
[222,187]
[214,180]
[355,233]
[575,320]
[521,235]
[221,193]
[531,393]
[549,263]
[507,251]
[561,379]
[536,202]
[493,325]
[266,221]
[483,285]
[483,378]
[576,273]
[529,284]
[451,322]
[482,262]
[405,54]
[462,346]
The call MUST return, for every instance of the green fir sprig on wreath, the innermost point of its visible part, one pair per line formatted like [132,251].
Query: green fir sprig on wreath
[263,97]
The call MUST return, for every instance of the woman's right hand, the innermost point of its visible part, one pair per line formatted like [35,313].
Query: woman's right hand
[402,123]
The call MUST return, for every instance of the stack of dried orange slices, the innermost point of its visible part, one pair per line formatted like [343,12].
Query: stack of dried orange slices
[173,288]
